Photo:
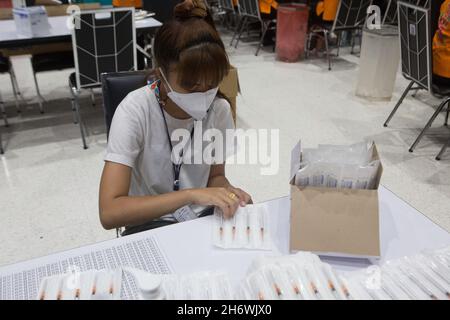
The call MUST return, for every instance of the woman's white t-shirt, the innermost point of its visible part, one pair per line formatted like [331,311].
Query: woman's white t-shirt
[138,139]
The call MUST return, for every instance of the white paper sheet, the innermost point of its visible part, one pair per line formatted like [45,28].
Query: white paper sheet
[23,282]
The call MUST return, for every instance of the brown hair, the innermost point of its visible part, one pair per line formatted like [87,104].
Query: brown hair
[191,43]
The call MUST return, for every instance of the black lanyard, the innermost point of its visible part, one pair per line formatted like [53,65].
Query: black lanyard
[176,167]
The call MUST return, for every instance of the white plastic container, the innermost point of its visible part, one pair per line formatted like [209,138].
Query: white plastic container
[380,57]
[31,21]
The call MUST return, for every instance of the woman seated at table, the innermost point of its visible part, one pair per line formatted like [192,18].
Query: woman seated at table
[141,188]
[441,48]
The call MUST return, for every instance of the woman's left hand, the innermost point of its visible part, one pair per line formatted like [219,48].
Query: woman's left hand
[244,197]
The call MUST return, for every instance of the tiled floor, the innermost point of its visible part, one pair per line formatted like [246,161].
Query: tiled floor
[49,184]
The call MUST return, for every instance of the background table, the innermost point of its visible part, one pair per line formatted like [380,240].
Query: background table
[188,246]
[14,44]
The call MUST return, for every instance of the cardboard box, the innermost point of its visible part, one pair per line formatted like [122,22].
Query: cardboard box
[230,88]
[334,221]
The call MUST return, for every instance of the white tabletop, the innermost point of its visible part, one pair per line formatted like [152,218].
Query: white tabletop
[188,246]
[58,28]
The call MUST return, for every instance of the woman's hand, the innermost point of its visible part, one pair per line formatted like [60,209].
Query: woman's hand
[244,197]
[227,199]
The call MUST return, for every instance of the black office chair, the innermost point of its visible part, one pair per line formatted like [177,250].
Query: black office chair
[52,61]
[350,16]
[249,13]
[115,87]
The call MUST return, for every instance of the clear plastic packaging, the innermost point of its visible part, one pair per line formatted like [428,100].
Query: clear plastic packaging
[90,285]
[198,286]
[349,167]
[249,229]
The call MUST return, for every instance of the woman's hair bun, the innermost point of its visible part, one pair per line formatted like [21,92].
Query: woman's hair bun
[191,8]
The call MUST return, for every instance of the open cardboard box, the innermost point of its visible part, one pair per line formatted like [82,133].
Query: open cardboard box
[230,88]
[334,221]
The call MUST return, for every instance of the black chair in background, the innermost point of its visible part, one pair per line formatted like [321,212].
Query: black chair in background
[249,12]
[351,16]
[52,61]
[6,67]
[115,87]
[416,33]
[105,42]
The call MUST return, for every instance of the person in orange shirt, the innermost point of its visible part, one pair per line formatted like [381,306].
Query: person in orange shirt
[441,47]
[127,3]
[268,6]
[322,15]
[327,9]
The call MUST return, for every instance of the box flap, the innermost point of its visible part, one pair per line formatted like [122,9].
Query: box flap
[295,161]
[230,84]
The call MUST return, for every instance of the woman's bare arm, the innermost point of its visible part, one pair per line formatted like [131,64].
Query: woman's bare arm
[118,209]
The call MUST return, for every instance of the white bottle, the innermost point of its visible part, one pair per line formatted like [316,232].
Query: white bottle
[149,284]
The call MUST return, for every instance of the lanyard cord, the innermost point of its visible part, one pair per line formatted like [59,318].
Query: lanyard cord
[176,167]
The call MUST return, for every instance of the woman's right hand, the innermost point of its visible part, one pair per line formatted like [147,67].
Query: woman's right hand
[222,198]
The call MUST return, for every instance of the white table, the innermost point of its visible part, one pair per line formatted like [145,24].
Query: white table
[188,247]
[59,31]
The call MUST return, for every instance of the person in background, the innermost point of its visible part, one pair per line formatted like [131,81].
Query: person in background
[146,181]
[268,10]
[441,47]
[326,11]
[127,3]
[322,15]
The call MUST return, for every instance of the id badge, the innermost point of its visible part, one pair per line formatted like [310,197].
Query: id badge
[184,214]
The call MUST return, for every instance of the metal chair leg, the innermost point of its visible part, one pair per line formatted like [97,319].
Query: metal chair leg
[325,35]
[308,44]
[444,148]
[398,104]
[264,31]
[76,106]
[236,31]
[15,87]
[339,43]
[92,96]
[244,24]
[353,43]
[2,109]
[1,144]
[446,116]
[40,98]
[429,123]
[15,94]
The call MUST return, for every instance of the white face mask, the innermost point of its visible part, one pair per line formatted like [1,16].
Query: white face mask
[196,104]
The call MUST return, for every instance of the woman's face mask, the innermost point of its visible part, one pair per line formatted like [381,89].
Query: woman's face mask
[196,104]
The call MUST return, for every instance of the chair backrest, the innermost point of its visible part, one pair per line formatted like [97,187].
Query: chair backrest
[415,43]
[249,8]
[116,86]
[351,14]
[391,14]
[103,41]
